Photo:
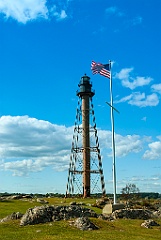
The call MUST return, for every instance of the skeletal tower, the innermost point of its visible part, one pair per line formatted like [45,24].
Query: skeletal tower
[85,168]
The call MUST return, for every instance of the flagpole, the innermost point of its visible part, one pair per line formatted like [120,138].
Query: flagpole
[113,137]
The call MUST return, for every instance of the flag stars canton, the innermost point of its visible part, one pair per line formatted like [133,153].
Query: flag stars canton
[102,69]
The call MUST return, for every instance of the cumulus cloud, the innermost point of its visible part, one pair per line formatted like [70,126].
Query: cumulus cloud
[156,88]
[30,145]
[127,144]
[28,10]
[24,10]
[60,16]
[124,144]
[140,99]
[154,151]
[128,81]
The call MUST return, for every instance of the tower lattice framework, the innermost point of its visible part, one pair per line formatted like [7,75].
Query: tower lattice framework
[85,174]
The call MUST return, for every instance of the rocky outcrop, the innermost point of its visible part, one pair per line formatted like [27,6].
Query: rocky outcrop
[83,223]
[77,203]
[42,201]
[37,215]
[156,214]
[149,223]
[47,213]
[132,214]
[51,213]
[100,203]
[13,216]
[15,197]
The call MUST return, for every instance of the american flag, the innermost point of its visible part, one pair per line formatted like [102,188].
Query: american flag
[102,69]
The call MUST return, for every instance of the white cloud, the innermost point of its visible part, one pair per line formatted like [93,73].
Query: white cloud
[143,182]
[24,10]
[124,144]
[159,137]
[154,151]
[137,20]
[30,145]
[127,144]
[114,10]
[156,88]
[124,99]
[111,10]
[60,16]
[28,10]
[140,99]
[124,73]
[131,82]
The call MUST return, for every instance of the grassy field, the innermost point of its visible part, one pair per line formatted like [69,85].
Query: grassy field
[120,229]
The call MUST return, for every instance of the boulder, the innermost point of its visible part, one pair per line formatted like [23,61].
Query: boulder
[37,215]
[100,203]
[73,203]
[83,223]
[27,196]
[132,214]
[149,223]
[13,197]
[42,201]
[77,203]
[13,216]
[157,214]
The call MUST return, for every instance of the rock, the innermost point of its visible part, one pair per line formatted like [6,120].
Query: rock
[157,214]
[37,215]
[73,203]
[100,203]
[27,196]
[103,217]
[83,223]
[47,213]
[149,223]
[42,201]
[132,214]
[13,216]
[15,197]
[79,203]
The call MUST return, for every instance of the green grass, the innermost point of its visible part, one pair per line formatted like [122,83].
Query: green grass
[118,230]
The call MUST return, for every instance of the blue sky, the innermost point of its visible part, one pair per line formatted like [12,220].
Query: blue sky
[46,46]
